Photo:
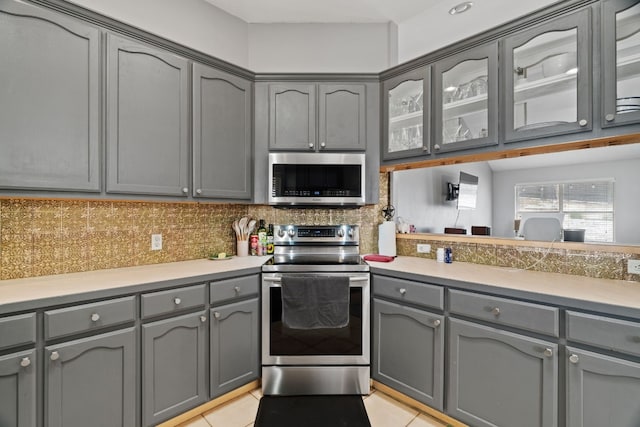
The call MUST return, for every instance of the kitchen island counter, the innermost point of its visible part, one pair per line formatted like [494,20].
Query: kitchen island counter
[614,296]
[33,292]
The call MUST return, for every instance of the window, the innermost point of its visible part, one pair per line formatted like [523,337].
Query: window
[585,204]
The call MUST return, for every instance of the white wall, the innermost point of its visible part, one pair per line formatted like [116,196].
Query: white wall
[322,48]
[626,195]
[435,28]
[193,23]
[419,197]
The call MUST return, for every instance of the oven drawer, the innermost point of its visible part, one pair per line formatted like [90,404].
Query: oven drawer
[87,317]
[519,314]
[238,287]
[173,300]
[17,330]
[604,332]
[430,296]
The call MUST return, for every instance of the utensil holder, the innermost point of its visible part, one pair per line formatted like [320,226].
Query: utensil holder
[242,247]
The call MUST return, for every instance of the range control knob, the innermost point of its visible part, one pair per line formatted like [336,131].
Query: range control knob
[292,232]
[281,233]
[350,232]
[341,232]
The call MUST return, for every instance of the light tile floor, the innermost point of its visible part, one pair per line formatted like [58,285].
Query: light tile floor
[383,411]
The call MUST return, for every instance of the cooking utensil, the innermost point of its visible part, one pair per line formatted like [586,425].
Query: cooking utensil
[242,223]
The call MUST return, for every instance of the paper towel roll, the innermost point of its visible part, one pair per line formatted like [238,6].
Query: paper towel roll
[387,238]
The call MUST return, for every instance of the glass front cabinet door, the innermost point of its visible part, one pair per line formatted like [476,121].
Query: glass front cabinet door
[466,99]
[406,112]
[547,76]
[621,62]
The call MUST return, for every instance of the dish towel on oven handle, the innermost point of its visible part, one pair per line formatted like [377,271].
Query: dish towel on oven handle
[315,301]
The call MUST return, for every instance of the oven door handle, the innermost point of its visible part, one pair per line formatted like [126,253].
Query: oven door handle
[278,279]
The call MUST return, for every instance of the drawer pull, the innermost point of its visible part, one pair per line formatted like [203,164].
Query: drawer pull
[203,319]
[95,317]
[574,358]
[25,362]
[436,323]
[548,352]
[402,291]
[177,301]
[236,289]
[216,314]
[55,355]
[495,311]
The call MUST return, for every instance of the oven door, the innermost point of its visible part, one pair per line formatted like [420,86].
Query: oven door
[330,346]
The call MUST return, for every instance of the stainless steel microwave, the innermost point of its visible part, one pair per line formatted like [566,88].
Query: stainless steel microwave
[317,179]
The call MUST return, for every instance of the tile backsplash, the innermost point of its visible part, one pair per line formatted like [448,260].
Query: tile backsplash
[43,237]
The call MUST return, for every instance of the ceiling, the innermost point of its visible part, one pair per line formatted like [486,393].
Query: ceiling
[326,11]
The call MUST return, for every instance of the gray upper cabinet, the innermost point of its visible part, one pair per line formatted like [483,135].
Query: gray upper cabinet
[317,117]
[342,117]
[222,142]
[620,62]
[547,79]
[601,390]
[174,366]
[466,99]
[147,120]
[408,351]
[92,381]
[234,345]
[49,100]
[18,389]
[292,116]
[406,115]
[498,378]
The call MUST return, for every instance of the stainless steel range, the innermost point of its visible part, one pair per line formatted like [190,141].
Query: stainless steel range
[325,357]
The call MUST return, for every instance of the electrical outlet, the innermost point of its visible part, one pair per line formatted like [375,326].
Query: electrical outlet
[424,248]
[633,266]
[156,242]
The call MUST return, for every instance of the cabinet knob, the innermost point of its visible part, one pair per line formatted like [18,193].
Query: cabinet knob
[177,301]
[583,122]
[25,362]
[185,190]
[495,311]
[322,145]
[574,358]
[95,317]
[548,352]
[236,289]
[55,355]
[436,147]
[216,314]
[311,146]
[199,191]
[402,291]
[610,117]
[203,319]
[436,323]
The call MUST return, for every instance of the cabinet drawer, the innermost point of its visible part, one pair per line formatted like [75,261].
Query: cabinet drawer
[604,332]
[177,299]
[86,317]
[409,291]
[17,330]
[519,314]
[238,287]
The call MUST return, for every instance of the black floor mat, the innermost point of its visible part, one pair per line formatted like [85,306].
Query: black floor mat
[312,411]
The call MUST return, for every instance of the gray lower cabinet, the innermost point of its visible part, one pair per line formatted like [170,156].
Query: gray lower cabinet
[234,345]
[601,390]
[147,120]
[49,100]
[18,389]
[222,142]
[92,381]
[173,366]
[408,351]
[500,378]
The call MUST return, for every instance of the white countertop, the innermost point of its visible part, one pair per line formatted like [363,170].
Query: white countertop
[604,291]
[43,287]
